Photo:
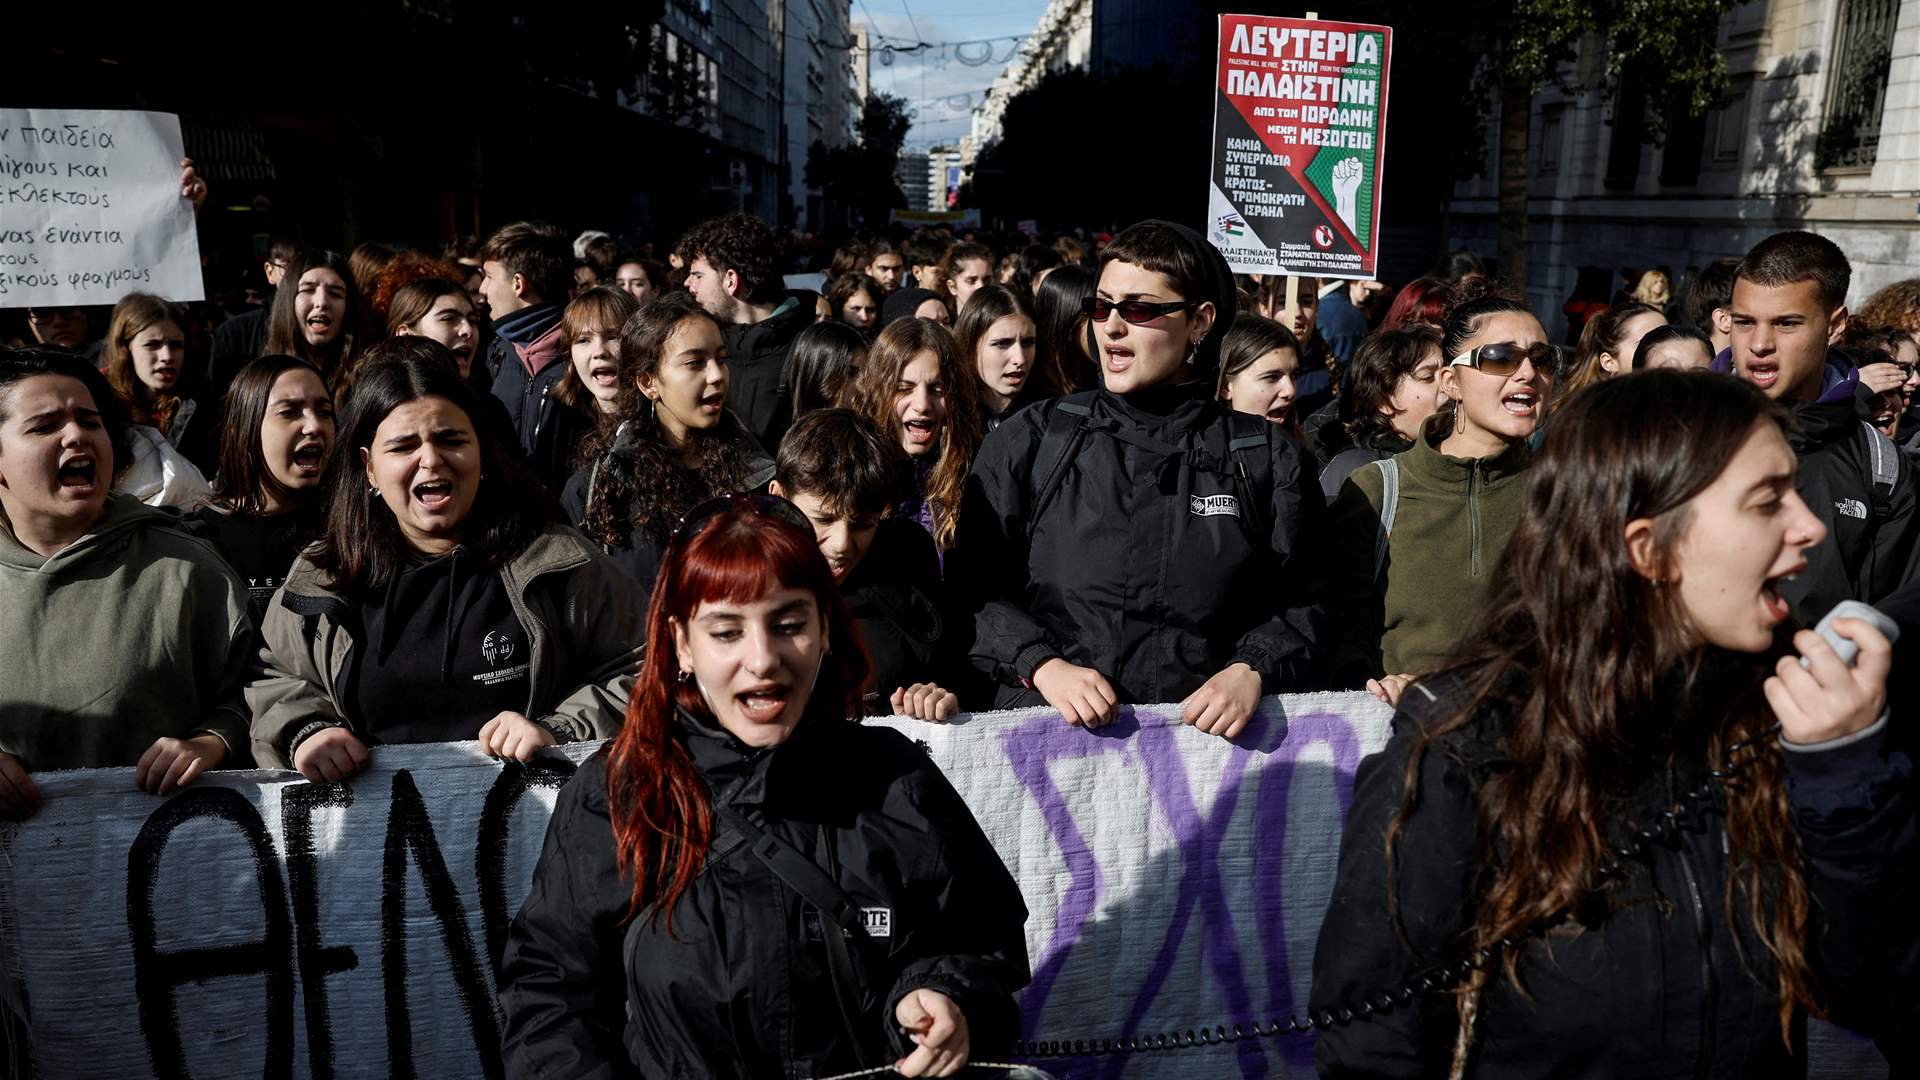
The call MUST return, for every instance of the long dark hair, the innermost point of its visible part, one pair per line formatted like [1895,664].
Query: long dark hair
[821,363]
[244,484]
[1574,649]
[988,305]
[657,800]
[638,482]
[363,547]
[1062,329]
[284,336]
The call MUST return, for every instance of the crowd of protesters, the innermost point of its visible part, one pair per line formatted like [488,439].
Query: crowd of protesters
[537,489]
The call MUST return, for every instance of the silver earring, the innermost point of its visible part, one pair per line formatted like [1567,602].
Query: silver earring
[373,489]
[685,677]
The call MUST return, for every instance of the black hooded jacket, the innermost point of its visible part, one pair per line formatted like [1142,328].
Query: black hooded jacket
[1871,527]
[742,987]
[757,359]
[1657,980]
[1153,560]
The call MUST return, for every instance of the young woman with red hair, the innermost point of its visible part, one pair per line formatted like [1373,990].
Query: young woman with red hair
[681,918]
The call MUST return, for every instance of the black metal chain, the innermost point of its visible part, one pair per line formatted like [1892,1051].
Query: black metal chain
[1663,830]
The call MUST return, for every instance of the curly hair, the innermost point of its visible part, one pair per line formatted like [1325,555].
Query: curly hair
[1382,360]
[637,481]
[745,245]
[403,270]
[1896,306]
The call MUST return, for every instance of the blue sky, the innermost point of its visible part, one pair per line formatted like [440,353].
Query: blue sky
[932,82]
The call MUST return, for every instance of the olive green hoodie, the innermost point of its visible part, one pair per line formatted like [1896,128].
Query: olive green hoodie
[133,632]
[1452,522]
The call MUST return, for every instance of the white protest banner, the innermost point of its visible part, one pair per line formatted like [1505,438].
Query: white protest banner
[90,208]
[258,925]
[1299,139]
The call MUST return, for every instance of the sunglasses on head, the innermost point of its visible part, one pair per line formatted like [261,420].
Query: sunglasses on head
[761,503]
[1503,358]
[1137,312]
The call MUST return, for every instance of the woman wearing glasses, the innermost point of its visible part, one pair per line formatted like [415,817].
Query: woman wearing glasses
[1413,539]
[1137,543]
[442,603]
[743,884]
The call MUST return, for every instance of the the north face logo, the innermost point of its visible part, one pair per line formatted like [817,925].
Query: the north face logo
[497,648]
[1210,505]
[1852,508]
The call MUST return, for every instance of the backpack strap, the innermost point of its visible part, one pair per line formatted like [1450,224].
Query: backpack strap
[1884,457]
[844,935]
[1066,426]
[1251,451]
[1389,508]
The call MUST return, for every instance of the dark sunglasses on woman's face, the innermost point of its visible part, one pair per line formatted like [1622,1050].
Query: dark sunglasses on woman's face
[1503,358]
[762,504]
[1136,312]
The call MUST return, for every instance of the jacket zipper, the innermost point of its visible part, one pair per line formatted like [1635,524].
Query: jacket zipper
[1473,515]
[1708,990]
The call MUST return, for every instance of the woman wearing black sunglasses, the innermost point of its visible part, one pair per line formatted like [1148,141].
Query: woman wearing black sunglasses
[443,603]
[1413,539]
[1136,543]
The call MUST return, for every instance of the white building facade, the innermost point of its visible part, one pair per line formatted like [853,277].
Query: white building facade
[1821,132]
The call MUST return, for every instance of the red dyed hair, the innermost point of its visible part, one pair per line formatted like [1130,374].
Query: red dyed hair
[656,798]
[406,268]
[1422,300]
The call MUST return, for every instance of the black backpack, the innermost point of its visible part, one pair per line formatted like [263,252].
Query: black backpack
[1251,462]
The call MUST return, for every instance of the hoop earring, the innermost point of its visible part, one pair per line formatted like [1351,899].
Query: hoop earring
[684,677]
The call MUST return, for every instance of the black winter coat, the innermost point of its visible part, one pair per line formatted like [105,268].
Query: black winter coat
[1144,564]
[1871,532]
[757,358]
[1658,983]
[743,987]
[894,596]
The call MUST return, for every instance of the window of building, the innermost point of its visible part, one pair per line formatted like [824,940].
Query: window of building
[1552,134]
[1628,134]
[1857,84]
[1727,125]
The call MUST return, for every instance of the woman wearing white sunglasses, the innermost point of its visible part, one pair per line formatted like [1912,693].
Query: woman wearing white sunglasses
[1413,540]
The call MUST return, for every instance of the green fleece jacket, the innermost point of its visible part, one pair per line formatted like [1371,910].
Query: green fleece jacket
[1452,522]
[135,631]
[585,616]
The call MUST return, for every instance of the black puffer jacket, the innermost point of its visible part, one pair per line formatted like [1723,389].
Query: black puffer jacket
[1659,982]
[743,986]
[1143,565]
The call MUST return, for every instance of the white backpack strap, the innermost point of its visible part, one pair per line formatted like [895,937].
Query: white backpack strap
[1389,506]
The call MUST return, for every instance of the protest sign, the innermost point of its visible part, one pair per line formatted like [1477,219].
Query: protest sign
[258,925]
[90,208]
[1299,138]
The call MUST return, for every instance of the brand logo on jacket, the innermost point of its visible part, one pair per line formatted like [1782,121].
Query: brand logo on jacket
[1214,505]
[1852,508]
[497,648]
[878,921]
